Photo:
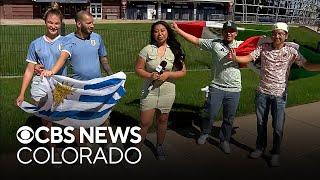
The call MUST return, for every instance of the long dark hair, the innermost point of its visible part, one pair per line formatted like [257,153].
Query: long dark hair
[175,46]
[54,9]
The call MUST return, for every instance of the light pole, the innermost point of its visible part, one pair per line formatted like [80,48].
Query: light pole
[124,9]
[231,10]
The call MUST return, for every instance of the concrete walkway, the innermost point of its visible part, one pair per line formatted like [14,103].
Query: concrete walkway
[300,150]
[300,156]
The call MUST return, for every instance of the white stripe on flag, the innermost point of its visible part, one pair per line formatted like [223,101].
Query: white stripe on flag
[86,104]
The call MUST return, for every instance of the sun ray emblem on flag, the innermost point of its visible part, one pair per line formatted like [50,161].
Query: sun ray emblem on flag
[60,93]
[70,102]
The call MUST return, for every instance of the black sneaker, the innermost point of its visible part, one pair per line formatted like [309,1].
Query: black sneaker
[134,156]
[160,153]
[275,160]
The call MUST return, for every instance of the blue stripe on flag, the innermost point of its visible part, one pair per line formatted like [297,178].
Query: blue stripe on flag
[104,99]
[103,84]
[101,99]
[121,91]
[88,98]
[31,107]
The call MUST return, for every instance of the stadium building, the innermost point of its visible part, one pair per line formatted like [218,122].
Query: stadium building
[179,9]
[291,11]
[33,9]
[120,9]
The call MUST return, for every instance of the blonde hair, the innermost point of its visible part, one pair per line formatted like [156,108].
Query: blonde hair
[54,5]
[54,9]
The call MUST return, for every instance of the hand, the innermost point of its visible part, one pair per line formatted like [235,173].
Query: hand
[232,55]
[174,26]
[46,73]
[38,68]
[19,100]
[154,76]
[164,76]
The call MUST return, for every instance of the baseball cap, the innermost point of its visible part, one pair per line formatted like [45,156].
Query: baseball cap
[281,25]
[229,25]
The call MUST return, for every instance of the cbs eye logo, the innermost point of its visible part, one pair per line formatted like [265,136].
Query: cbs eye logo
[25,135]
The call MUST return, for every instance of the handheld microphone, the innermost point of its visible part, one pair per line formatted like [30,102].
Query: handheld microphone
[159,69]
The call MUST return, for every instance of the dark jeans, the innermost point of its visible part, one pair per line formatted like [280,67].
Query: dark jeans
[229,101]
[263,104]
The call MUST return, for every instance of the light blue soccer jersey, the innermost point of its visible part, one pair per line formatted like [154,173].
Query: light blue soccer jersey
[227,76]
[85,55]
[41,51]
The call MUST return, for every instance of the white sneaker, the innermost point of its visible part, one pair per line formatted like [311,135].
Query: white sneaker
[202,139]
[225,147]
[256,154]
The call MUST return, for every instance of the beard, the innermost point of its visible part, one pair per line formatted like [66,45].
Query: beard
[85,30]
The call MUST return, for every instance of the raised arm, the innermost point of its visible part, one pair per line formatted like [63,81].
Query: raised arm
[311,67]
[185,35]
[302,62]
[105,65]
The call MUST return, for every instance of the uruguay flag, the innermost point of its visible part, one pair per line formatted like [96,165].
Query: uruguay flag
[75,103]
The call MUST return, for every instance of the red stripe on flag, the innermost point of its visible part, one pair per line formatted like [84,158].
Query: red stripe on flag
[195,27]
[247,46]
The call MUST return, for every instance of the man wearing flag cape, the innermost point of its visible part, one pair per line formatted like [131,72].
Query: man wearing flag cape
[276,59]
[226,84]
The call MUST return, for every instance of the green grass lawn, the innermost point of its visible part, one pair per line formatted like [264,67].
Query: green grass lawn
[187,107]
[123,42]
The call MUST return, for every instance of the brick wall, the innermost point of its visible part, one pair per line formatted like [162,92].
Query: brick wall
[17,11]
[110,12]
[1,11]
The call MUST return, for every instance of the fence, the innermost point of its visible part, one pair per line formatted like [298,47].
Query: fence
[122,46]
